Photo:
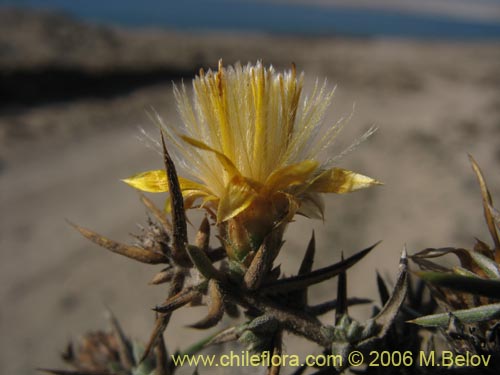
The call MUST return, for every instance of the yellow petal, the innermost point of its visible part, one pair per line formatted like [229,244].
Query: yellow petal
[156,182]
[337,180]
[237,197]
[290,175]
[223,159]
[151,181]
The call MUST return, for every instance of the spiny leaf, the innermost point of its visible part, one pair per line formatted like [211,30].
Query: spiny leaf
[495,214]
[392,307]
[161,356]
[178,215]
[297,322]
[473,285]
[260,266]
[382,289]
[426,264]
[164,276]
[162,320]
[308,260]
[145,366]
[133,252]
[487,265]
[203,235]
[482,248]
[486,203]
[462,254]
[315,277]
[263,324]
[473,315]
[463,272]
[160,326]
[215,307]
[203,263]
[124,347]
[216,254]
[305,267]
[180,299]
[341,308]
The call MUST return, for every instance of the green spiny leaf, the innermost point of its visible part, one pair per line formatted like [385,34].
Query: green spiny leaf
[473,285]
[487,265]
[463,272]
[203,263]
[473,315]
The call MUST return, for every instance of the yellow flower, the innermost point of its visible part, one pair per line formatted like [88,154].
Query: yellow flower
[253,148]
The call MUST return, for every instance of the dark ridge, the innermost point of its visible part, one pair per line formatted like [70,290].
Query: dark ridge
[27,87]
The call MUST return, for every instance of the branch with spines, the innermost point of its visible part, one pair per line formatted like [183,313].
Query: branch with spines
[272,304]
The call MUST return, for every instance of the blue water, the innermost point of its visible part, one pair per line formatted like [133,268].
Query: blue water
[227,15]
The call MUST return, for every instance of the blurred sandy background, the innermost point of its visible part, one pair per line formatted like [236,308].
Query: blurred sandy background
[73,96]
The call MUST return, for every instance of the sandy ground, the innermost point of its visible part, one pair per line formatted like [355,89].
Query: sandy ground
[433,104]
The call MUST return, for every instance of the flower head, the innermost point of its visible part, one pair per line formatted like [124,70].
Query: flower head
[253,149]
